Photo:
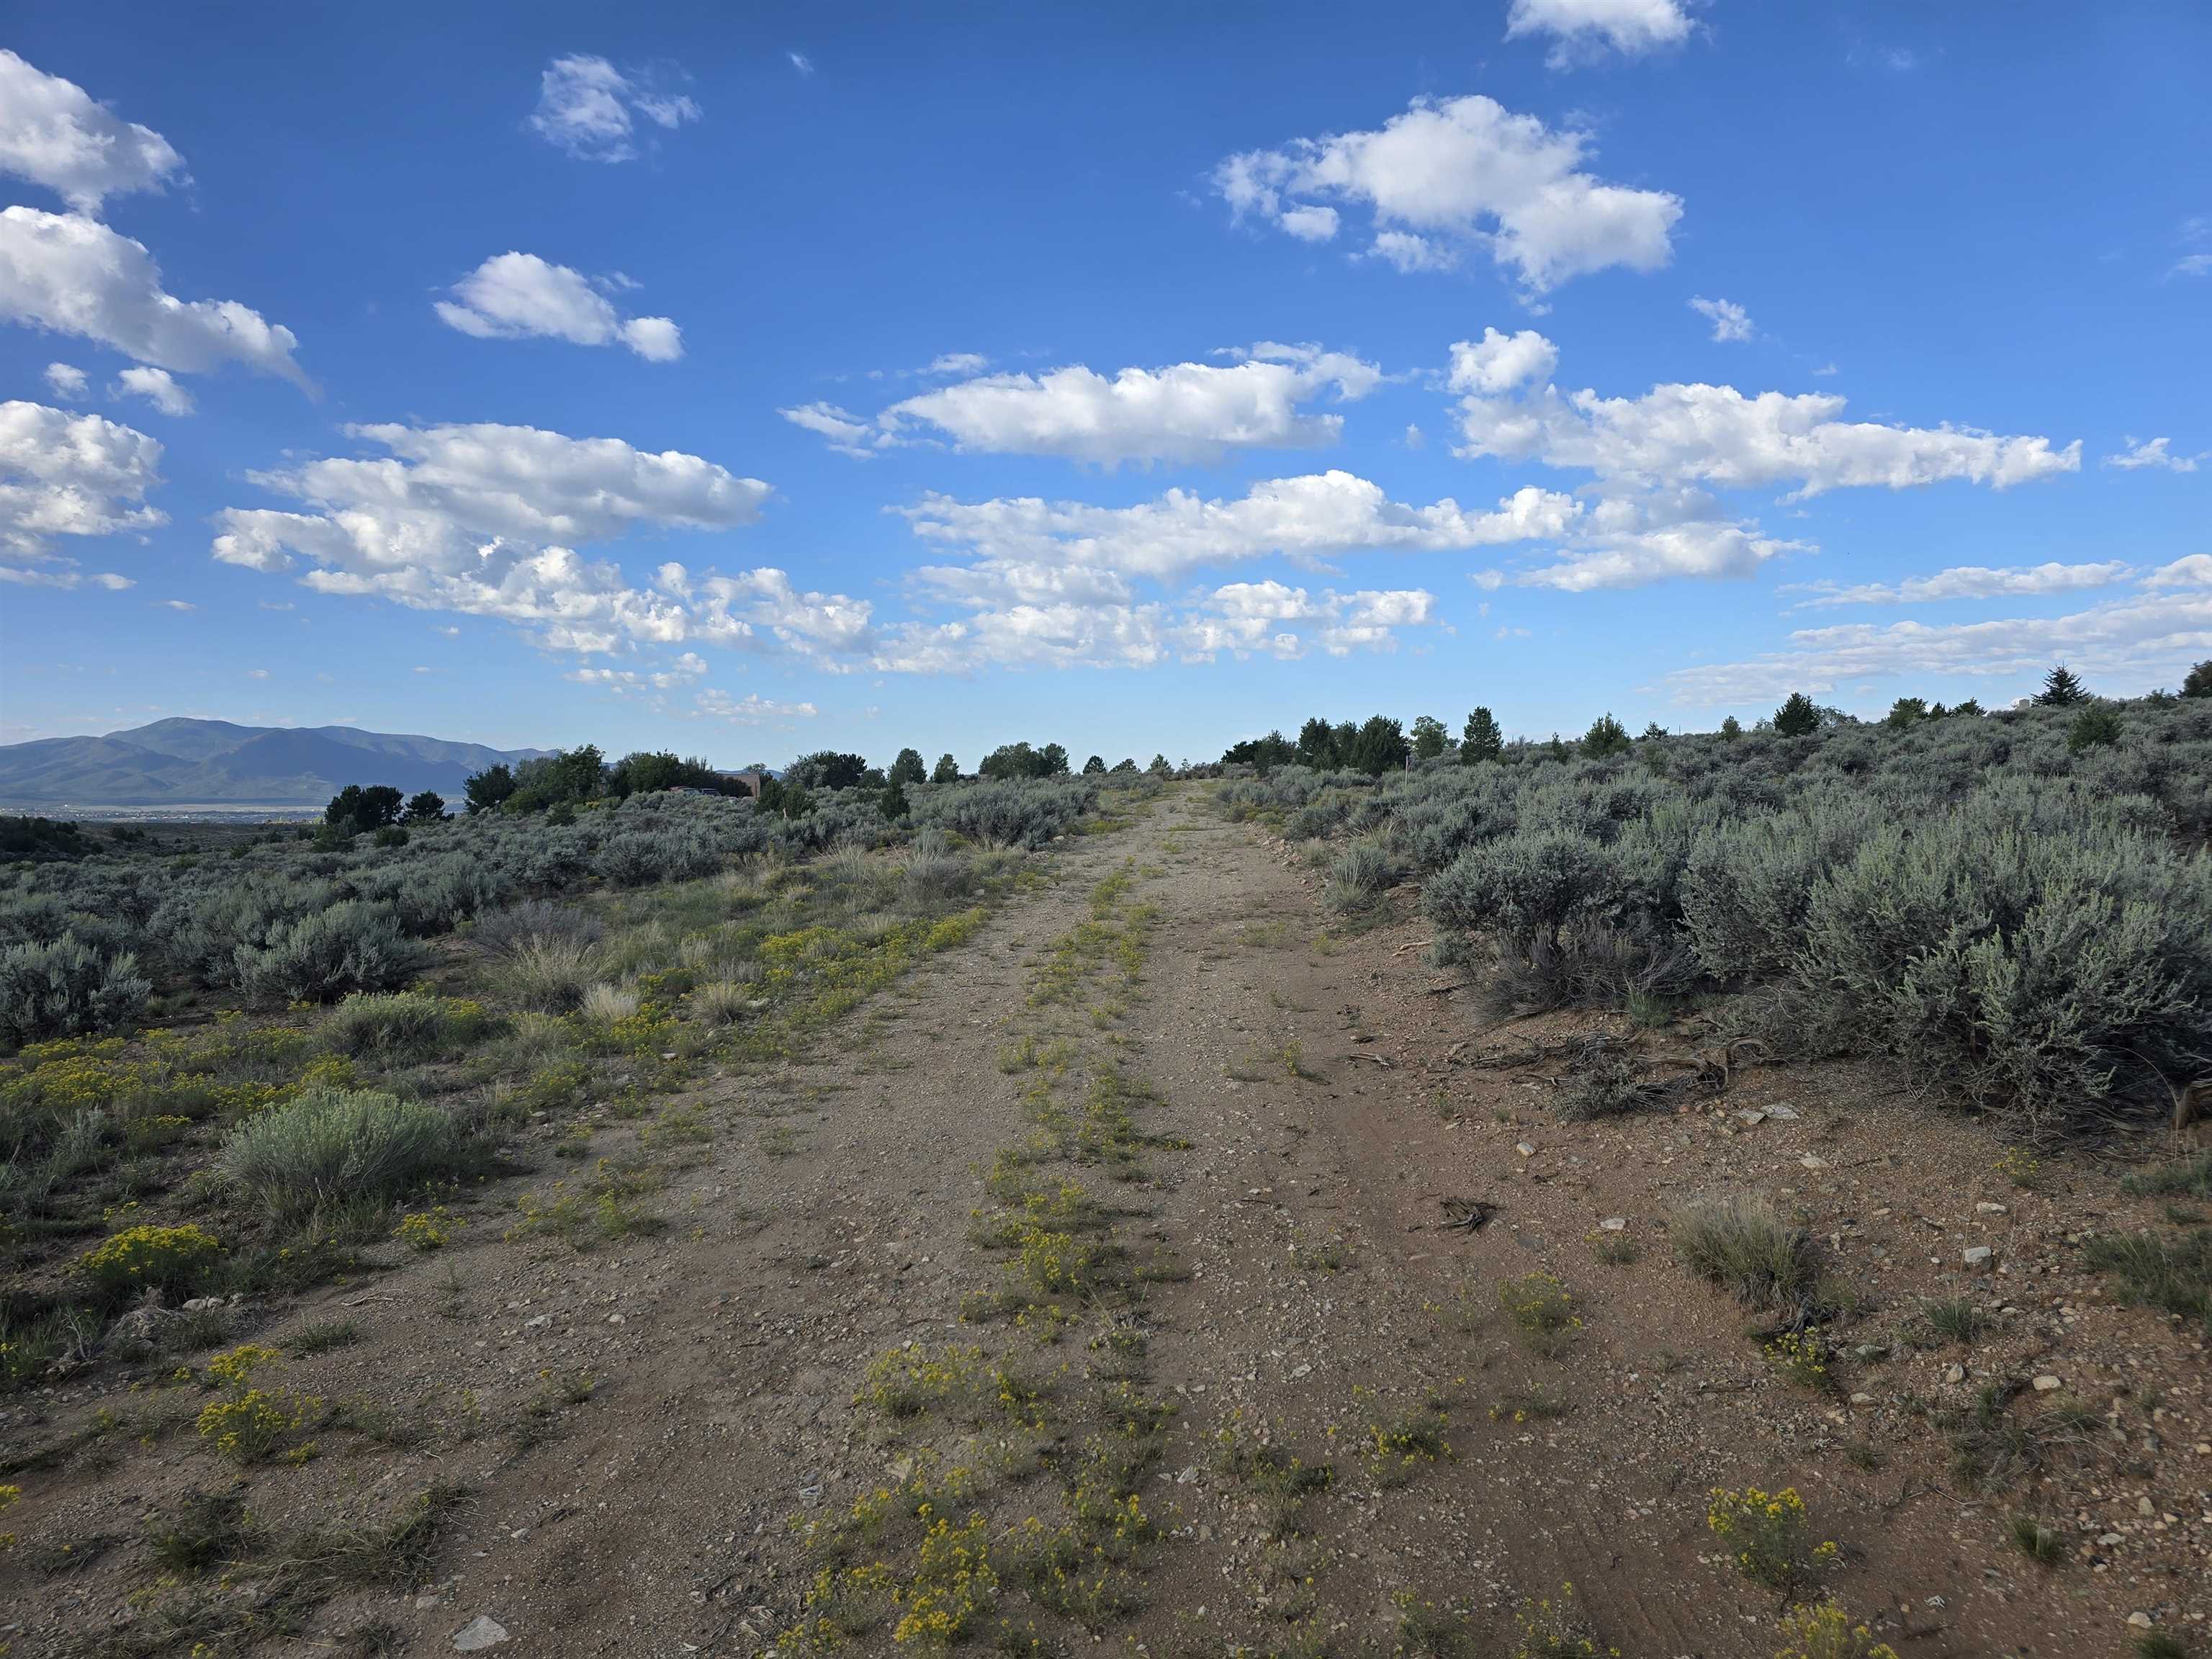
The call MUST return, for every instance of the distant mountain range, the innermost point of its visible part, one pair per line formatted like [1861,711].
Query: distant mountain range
[179,765]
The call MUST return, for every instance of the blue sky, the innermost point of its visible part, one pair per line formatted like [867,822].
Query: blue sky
[1136,378]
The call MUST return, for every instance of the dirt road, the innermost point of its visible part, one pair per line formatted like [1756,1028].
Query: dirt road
[1147,1193]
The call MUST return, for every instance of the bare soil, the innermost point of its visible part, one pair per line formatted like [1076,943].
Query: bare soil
[1323,1106]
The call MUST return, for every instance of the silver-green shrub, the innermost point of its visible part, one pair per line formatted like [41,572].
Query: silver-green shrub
[334,1145]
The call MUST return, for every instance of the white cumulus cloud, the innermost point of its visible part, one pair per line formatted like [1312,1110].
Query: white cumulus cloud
[512,296]
[1677,435]
[1580,27]
[589,109]
[71,275]
[65,381]
[1184,412]
[53,133]
[1310,517]
[485,519]
[65,475]
[1461,173]
[157,386]
[1499,363]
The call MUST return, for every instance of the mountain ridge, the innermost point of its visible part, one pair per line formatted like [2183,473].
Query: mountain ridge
[183,764]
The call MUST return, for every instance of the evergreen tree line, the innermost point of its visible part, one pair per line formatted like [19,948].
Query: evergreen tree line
[1381,743]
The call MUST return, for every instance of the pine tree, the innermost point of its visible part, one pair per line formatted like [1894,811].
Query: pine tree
[908,767]
[1481,740]
[947,770]
[1429,737]
[1798,717]
[1731,727]
[2197,682]
[1607,736]
[2061,689]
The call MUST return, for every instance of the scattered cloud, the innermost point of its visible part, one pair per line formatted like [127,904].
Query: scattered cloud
[2123,645]
[751,709]
[1249,619]
[2154,453]
[801,61]
[1584,28]
[1681,434]
[589,109]
[70,274]
[957,363]
[1731,321]
[65,475]
[1185,412]
[512,296]
[157,386]
[635,683]
[256,673]
[53,133]
[176,604]
[1310,517]
[2192,264]
[846,433]
[484,520]
[1459,173]
[66,380]
[1499,363]
[1968,582]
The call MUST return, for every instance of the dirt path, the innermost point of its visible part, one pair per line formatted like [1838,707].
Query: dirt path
[647,1429]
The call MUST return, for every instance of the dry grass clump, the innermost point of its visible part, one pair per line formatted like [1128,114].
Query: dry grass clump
[719,1001]
[609,1004]
[1742,1245]
[548,974]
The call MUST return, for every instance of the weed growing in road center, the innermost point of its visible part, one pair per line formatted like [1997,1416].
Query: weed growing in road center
[1769,1535]
[1541,1311]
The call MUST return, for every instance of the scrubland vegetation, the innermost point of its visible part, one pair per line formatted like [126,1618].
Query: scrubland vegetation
[2021,917]
[234,1073]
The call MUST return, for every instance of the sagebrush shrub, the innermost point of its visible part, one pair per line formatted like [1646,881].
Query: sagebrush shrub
[353,946]
[65,987]
[1528,884]
[334,1145]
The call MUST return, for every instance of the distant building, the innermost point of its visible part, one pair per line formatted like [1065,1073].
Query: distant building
[751,780]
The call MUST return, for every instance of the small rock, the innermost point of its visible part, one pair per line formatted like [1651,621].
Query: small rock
[202,1303]
[2145,1508]
[1954,1373]
[2140,1621]
[1978,1255]
[1614,1224]
[2107,1540]
[1814,1161]
[1752,1114]
[480,1632]
[1782,1112]
[2047,1384]
[1862,1399]
[1524,1149]
[1989,1209]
